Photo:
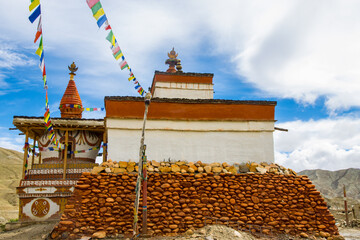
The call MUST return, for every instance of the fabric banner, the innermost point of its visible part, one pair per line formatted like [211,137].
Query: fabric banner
[35,4]
[71,152]
[79,106]
[100,16]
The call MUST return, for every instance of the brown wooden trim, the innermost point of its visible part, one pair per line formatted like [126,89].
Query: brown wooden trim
[72,161]
[104,147]
[25,152]
[33,153]
[65,152]
[190,111]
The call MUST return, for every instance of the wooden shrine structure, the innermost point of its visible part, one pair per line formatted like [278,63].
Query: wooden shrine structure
[48,180]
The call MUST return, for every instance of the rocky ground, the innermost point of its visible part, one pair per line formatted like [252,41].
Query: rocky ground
[214,232]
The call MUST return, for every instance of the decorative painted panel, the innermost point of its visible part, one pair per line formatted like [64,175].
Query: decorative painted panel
[40,208]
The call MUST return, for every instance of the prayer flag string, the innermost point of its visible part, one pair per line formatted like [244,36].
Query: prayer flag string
[101,19]
[42,149]
[35,13]
[79,106]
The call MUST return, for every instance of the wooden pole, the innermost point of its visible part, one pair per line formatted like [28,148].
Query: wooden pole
[346,208]
[144,187]
[140,172]
[65,153]
[104,147]
[39,157]
[33,153]
[26,147]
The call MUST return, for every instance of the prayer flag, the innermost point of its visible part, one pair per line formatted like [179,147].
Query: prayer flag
[35,14]
[39,31]
[137,86]
[123,65]
[118,55]
[115,49]
[50,128]
[141,90]
[99,13]
[107,25]
[91,3]
[111,38]
[131,78]
[34,4]
[40,49]
[101,21]
[44,80]
[96,8]
[44,71]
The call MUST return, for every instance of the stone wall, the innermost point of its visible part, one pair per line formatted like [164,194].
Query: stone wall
[177,202]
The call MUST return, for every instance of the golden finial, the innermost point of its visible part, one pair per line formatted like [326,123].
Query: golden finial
[172,61]
[178,66]
[73,68]
[172,54]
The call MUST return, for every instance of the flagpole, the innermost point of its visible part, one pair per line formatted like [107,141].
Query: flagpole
[142,175]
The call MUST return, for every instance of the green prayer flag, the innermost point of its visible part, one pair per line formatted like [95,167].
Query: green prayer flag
[96,7]
[110,36]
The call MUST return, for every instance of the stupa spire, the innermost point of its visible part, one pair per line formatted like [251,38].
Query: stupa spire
[172,61]
[71,105]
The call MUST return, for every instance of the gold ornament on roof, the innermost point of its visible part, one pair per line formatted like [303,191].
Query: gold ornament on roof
[172,61]
[72,68]
[172,54]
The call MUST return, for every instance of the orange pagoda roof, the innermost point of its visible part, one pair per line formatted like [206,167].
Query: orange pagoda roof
[70,104]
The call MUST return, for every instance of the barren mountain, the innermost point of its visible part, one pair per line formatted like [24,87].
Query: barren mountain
[10,174]
[331,183]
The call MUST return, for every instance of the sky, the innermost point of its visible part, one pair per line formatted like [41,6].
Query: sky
[303,54]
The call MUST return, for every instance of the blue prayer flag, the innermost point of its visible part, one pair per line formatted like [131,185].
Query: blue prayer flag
[101,20]
[35,14]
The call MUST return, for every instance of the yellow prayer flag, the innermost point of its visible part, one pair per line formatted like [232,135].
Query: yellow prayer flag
[34,4]
[119,56]
[39,51]
[99,13]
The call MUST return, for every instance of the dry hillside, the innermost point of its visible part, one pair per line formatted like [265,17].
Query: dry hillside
[330,183]
[10,174]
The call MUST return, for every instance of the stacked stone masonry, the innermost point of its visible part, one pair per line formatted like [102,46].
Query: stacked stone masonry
[178,202]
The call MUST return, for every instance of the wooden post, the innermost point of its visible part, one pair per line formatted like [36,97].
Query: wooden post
[104,147]
[346,209]
[65,152]
[39,157]
[144,196]
[141,174]
[33,153]
[25,151]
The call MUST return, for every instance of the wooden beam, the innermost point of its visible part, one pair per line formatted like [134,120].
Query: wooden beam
[104,147]
[25,152]
[33,153]
[65,153]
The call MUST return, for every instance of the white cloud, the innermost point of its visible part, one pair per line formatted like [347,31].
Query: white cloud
[291,49]
[323,144]
[313,51]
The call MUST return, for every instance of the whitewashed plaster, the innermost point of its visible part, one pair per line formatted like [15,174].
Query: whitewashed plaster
[184,90]
[207,141]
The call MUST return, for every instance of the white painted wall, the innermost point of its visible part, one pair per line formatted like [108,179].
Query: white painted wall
[207,141]
[184,90]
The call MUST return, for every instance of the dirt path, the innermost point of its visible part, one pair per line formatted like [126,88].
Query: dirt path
[31,232]
[350,233]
